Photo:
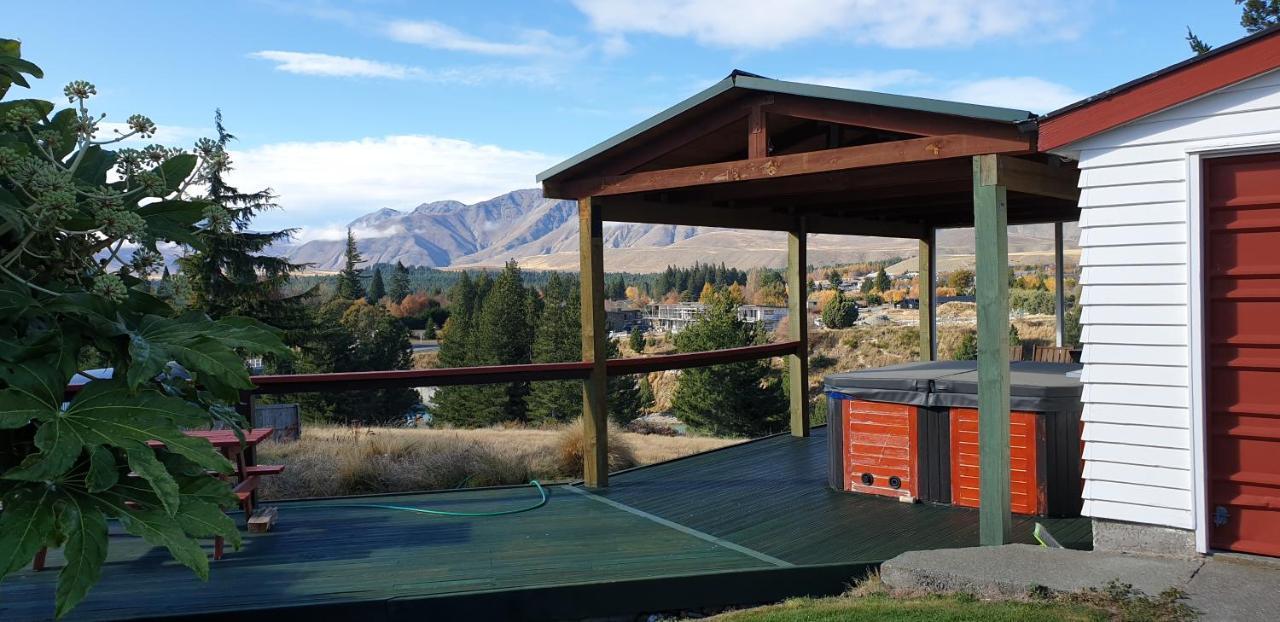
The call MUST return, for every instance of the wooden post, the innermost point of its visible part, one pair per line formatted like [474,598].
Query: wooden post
[595,422]
[798,327]
[1059,296]
[990,215]
[928,287]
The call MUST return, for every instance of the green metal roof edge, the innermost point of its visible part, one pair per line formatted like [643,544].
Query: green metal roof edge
[756,83]
[637,129]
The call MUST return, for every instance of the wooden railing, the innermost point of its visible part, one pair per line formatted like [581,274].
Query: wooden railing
[490,374]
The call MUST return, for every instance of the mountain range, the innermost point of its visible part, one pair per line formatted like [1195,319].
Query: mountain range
[542,234]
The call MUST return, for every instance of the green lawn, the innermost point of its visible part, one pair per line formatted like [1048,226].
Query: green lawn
[932,608]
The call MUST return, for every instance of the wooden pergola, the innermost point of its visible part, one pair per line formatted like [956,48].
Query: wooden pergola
[755,153]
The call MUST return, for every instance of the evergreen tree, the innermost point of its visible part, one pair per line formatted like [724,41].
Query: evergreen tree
[840,312]
[646,394]
[399,283]
[636,339]
[883,284]
[230,274]
[558,339]
[457,340]
[623,400]
[504,336]
[1259,14]
[739,399]
[833,277]
[967,350]
[349,285]
[1197,44]
[377,289]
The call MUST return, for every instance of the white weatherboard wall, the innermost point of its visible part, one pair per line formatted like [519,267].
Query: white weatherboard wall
[1137,220]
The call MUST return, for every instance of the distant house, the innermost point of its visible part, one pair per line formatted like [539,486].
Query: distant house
[1180,256]
[676,317]
[621,316]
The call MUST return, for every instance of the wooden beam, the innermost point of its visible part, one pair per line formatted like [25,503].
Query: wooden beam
[827,160]
[991,233]
[928,268]
[1059,296]
[891,119]
[702,214]
[647,364]
[595,420]
[757,134]
[1030,177]
[798,326]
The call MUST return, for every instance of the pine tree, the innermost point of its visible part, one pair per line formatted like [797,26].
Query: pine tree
[558,339]
[636,339]
[623,400]
[646,394]
[739,399]
[840,312]
[457,338]
[230,274]
[399,283]
[1259,14]
[377,289]
[504,336]
[883,284]
[1197,44]
[349,285]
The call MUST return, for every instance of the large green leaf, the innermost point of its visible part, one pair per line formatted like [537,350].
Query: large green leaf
[193,342]
[94,165]
[64,123]
[103,470]
[176,170]
[26,525]
[160,529]
[174,221]
[15,299]
[106,413]
[143,462]
[250,334]
[86,530]
[34,387]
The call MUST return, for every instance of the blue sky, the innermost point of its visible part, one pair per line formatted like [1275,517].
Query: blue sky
[345,107]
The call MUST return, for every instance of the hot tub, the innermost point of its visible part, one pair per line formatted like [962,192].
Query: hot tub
[911,432]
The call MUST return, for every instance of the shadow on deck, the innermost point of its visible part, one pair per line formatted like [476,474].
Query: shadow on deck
[744,524]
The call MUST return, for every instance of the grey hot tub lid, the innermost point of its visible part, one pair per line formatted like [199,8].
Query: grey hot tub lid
[1038,387]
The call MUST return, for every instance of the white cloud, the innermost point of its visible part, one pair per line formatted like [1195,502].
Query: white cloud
[440,36]
[313,64]
[337,181]
[337,231]
[333,66]
[1021,92]
[1024,92]
[769,24]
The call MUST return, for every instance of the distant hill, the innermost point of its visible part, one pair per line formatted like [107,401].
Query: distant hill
[542,234]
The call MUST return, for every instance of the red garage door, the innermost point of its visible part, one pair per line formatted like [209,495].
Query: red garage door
[1242,268]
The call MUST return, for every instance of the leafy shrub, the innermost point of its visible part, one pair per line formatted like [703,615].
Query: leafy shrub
[67,295]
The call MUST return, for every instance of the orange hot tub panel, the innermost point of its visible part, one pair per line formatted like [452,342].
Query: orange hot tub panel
[1026,473]
[880,448]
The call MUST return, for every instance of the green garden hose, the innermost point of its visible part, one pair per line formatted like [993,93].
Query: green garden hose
[382,506]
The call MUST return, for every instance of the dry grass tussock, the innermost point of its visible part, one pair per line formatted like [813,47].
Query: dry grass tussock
[334,460]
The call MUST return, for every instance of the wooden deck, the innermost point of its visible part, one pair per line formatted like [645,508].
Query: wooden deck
[748,523]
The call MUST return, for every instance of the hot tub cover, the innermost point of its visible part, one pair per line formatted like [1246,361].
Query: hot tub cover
[1033,386]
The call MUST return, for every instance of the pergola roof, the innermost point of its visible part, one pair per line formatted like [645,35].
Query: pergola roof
[742,81]
[750,152]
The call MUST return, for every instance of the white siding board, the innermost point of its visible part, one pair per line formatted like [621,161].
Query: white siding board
[1134,275]
[1167,315]
[1123,453]
[1142,334]
[1140,494]
[1172,170]
[1138,395]
[1172,438]
[1151,375]
[1147,213]
[1135,414]
[1163,192]
[1177,130]
[1095,294]
[1134,513]
[1129,235]
[1149,255]
[1138,474]
[1134,354]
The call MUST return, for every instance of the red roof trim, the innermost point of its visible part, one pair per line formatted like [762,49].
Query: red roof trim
[1163,90]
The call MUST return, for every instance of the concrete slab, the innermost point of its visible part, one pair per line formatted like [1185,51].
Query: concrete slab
[1222,587]
[1012,569]
[1230,588]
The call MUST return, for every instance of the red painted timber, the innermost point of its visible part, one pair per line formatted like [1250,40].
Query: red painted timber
[1242,274]
[1027,483]
[881,440]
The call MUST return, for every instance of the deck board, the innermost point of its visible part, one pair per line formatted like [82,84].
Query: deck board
[769,496]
